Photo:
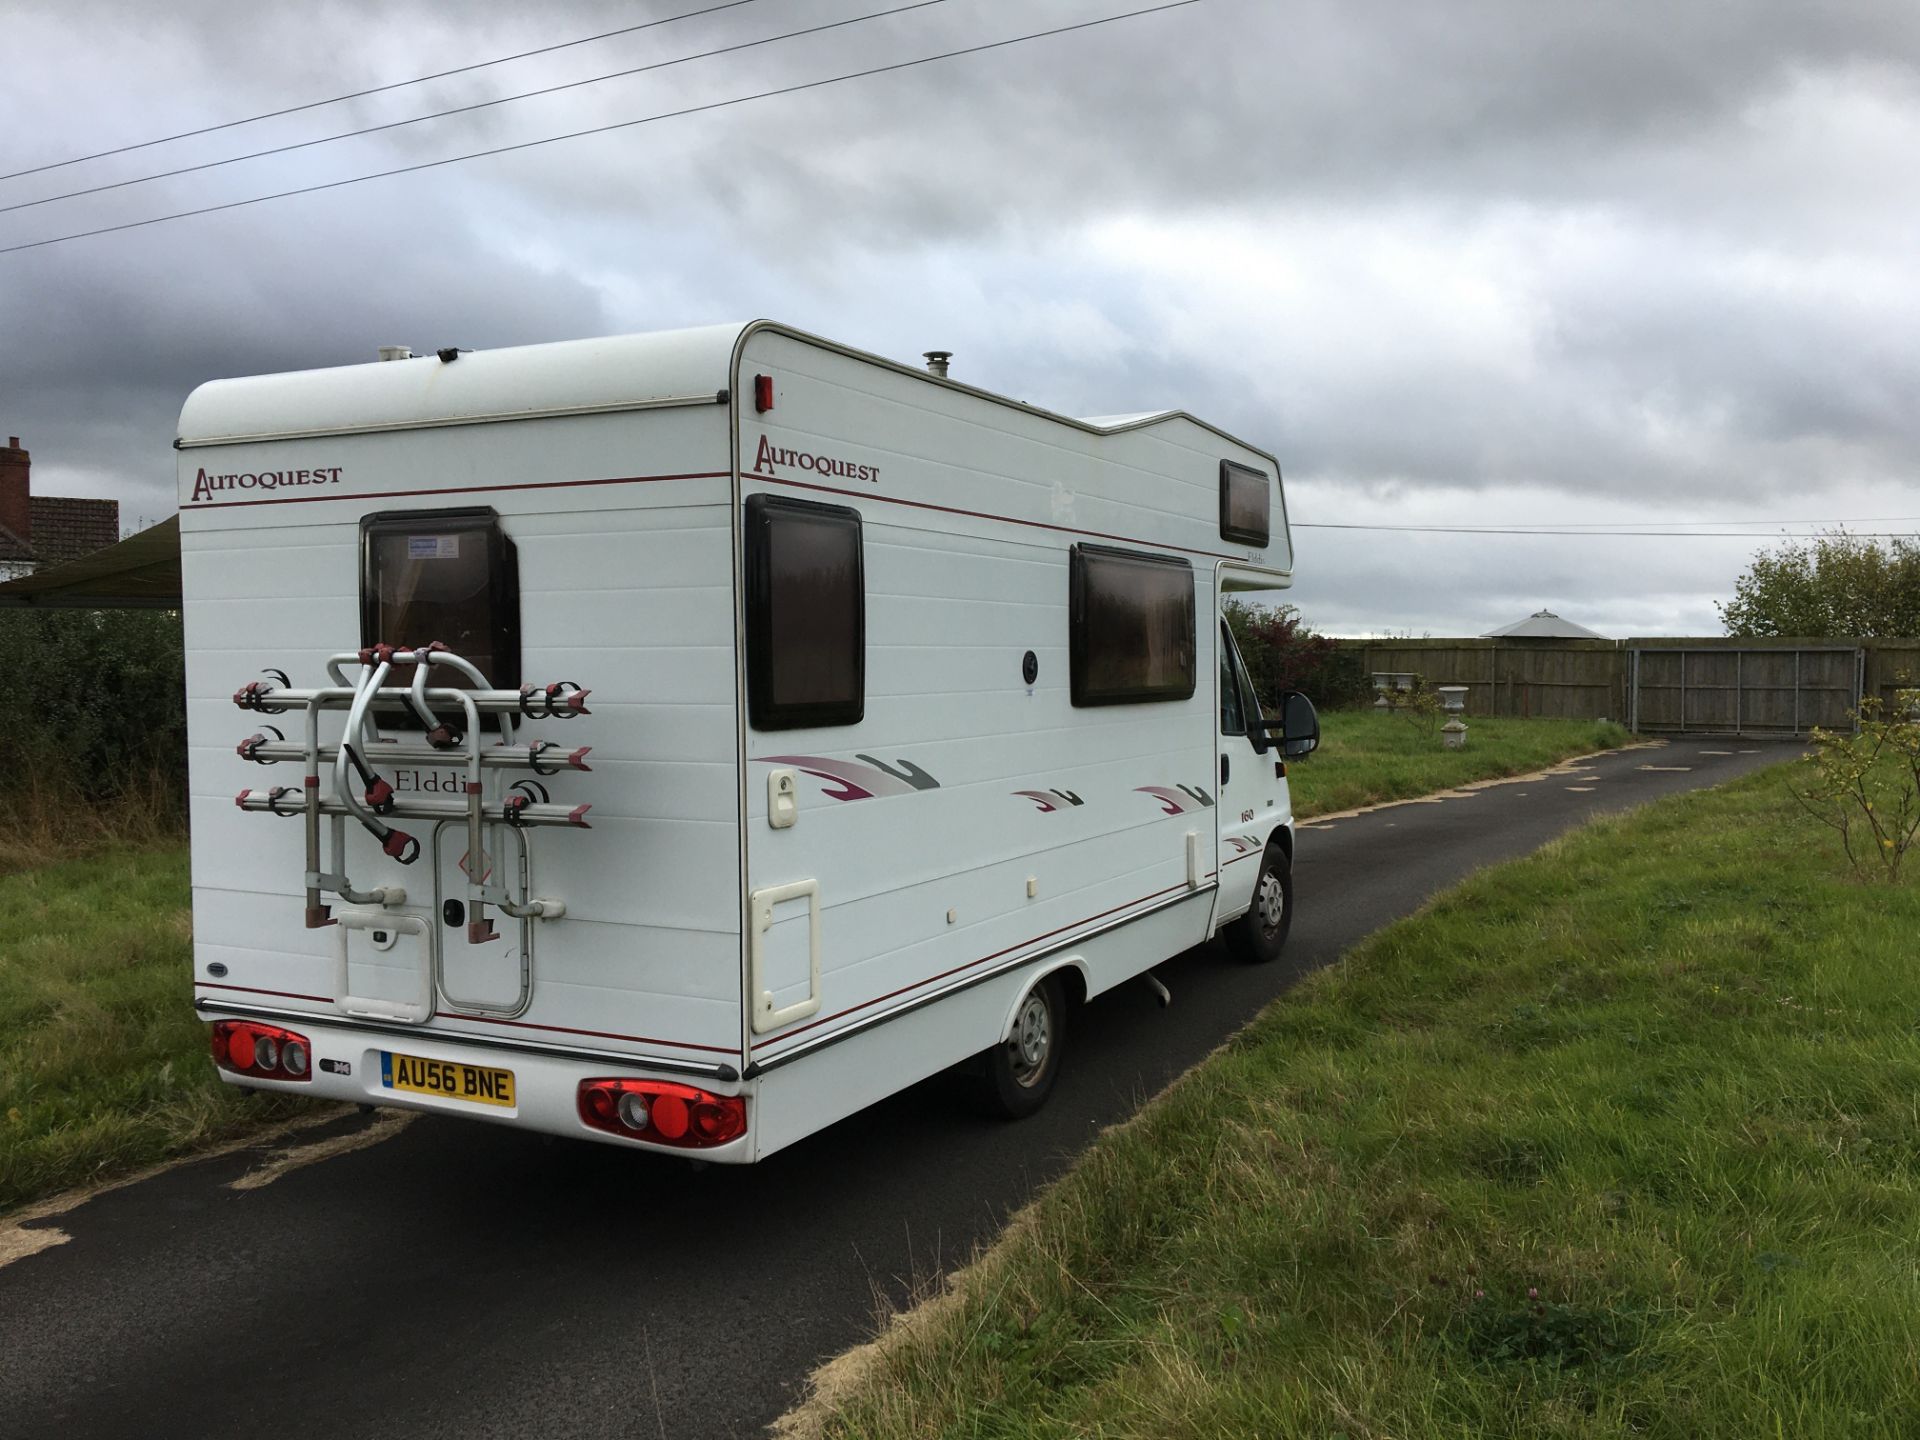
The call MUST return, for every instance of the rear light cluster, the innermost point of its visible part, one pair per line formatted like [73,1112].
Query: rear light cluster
[662,1112]
[262,1052]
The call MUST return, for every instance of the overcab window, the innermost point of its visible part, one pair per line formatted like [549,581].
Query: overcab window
[806,614]
[1131,627]
[1246,504]
[446,575]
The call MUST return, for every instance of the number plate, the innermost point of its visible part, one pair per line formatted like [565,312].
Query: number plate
[450,1079]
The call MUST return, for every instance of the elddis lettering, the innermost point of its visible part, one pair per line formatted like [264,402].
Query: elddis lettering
[205,485]
[429,782]
[770,455]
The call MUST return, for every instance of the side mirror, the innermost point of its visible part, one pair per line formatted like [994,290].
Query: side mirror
[1299,725]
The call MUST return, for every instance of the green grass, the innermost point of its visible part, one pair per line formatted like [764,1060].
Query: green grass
[103,1063]
[1366,757]
[1621,1139]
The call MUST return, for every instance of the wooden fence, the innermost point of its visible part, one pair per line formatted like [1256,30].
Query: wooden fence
[1729,683]
[1559,679]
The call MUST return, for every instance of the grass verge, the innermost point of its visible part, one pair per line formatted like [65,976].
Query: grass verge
[103,1063]
[1367,757]
[1620,1139]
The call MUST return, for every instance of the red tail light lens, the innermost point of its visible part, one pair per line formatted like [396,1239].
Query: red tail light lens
[264,1052]
[677,1115]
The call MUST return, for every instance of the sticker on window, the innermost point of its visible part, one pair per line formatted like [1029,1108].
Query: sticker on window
[433,547]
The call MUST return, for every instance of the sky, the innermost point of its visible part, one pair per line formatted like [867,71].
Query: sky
[1494,263]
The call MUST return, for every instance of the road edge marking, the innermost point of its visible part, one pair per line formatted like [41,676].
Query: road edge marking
[17,1242]
[298,1157]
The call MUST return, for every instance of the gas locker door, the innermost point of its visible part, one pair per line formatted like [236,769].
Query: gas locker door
[1248,788]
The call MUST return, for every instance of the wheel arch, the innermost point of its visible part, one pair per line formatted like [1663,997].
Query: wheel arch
[1072,970]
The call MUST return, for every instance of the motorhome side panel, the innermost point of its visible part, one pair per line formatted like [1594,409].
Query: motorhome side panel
[973,817]
[623,528]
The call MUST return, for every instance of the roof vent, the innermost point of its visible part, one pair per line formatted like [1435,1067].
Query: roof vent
[396,352]
[937,362]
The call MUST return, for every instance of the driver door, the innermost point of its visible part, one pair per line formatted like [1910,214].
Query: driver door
[1249,788]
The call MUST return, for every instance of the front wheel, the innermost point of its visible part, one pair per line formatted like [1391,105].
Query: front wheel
[1261,934]
[1022,1068]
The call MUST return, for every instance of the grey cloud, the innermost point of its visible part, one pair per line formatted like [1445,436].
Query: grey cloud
[1624,256]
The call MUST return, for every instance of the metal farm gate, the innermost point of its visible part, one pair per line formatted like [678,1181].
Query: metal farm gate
[1730,691]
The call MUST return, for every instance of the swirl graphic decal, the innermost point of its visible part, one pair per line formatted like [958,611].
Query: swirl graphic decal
[1180,801]
[861,778]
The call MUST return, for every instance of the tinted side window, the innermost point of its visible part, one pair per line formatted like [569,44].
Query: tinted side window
[1131,627]
[1246,504]
[806,614]
[446,575]
[1233,718]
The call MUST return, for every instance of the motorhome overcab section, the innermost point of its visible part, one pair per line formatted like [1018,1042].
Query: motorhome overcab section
[685,740]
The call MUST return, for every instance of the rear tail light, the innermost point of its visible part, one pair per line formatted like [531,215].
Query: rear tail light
[662,1112]
[263,1052]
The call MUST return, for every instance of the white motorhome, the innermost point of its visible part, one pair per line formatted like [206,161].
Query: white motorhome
[685,740]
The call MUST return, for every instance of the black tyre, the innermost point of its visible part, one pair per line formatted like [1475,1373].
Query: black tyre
[1261,934]
[1020,1072]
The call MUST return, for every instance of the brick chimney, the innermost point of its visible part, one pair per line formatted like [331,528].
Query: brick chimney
[16,506]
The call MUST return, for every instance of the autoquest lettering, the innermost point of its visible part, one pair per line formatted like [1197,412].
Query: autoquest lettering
[206,485]
[770,455]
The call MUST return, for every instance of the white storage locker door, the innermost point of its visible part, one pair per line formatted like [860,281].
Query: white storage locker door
[784,950]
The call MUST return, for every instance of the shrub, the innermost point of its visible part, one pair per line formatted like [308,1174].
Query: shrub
[1866,786]
[93,724]
[1283,654]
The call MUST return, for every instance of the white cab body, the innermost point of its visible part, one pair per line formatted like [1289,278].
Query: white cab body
[810,918]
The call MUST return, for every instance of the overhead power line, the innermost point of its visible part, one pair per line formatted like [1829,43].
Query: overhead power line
[1621,534]
[477,105]
[605,129]
[379,89]
[1575,527]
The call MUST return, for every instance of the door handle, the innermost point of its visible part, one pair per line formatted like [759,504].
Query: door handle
[1224,768]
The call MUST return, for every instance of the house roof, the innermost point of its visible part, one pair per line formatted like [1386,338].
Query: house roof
[1544,625]
[12,547]
[65,528]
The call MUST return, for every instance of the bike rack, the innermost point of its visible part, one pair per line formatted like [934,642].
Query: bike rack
[330,771]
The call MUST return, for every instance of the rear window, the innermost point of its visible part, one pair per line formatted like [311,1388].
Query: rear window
[446,575]
[1131,627]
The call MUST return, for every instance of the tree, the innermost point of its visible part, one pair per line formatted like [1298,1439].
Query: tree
[1840,584]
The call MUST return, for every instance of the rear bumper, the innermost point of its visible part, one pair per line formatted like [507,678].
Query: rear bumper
[347,1065]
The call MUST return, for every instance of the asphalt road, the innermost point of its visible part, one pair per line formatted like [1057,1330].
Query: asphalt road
[463,1280]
